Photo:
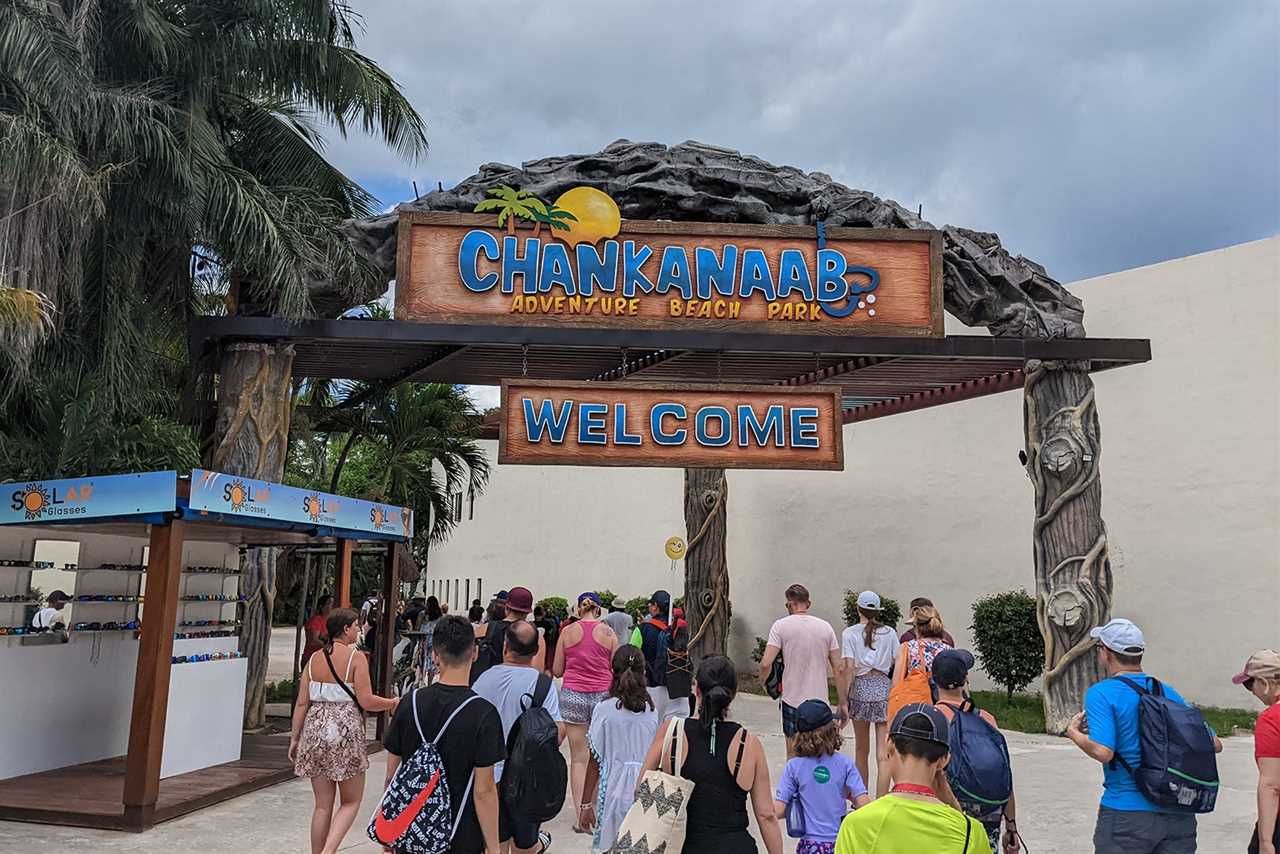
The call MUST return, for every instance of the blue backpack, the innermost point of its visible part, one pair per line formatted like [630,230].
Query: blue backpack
[1179,768]
[979,771]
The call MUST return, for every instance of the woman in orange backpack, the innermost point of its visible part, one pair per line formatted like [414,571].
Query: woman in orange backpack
[912,668]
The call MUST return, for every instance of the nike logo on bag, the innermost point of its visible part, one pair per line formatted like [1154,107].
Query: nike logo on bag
[390,830]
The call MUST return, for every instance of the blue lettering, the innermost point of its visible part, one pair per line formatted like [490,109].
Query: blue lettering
[804,426]
[526,267]
[620,434]
[793,275]
[713,272]
[749,429]
[596,272]
[556,270]
[674,272]
[545,420]
[832,286]
[632,260]
[704,415]
[756,275]
[657,430]
[469,250]
[591,423]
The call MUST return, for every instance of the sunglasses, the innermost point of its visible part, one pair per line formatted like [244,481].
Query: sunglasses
[211,570]
[123,567]
[1248,683]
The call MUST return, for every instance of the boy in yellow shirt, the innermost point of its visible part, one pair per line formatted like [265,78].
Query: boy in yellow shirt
[920,813]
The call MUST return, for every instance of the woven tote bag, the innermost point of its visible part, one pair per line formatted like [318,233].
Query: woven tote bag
[656,822]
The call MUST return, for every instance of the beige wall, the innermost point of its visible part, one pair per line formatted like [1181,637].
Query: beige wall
[936,503]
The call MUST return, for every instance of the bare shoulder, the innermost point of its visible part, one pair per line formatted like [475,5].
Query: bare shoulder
[602,633]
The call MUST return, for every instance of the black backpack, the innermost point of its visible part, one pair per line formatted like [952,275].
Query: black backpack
[773,682]
[489,649]
[679,669]
[979,771]
[535,776]
[1179,768]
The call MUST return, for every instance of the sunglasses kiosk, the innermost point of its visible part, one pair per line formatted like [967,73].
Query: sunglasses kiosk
[120,612]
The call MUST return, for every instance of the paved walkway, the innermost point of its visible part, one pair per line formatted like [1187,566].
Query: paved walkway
[1057,788]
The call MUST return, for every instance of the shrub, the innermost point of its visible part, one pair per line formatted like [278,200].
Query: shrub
[890,612]
[1007,639]
[757,654]
[638,607]
[280,692]
[606,596]
[556,606]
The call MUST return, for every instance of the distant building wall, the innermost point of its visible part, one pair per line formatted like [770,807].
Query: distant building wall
[936,503]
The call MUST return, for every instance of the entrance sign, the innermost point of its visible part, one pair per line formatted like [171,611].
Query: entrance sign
[679,426]
[588,268]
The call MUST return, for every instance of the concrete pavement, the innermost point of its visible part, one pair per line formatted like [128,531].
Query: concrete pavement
[1057,788]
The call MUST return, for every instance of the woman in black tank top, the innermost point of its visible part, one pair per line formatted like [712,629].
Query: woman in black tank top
[726,763]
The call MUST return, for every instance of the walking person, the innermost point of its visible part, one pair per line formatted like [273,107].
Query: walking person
[327,738]
[913,668]
[653,636]
[808,644]
[469,746]
[426,661]
[314,628]
[1261,678]
[1109,731]
[920,815]
[951,674]
[584,657]
[819,783]
[923,602]
[619,620]
[725,763]
[623,726]
[868,650]
[516,605]
[511,686]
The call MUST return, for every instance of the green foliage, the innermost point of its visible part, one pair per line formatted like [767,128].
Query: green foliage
[280,692]
[510,204]
[1018,712]
[638,607]
[757,653]
[556,606]
[1224,721]
[890,613]
[606,596]
[1007,640]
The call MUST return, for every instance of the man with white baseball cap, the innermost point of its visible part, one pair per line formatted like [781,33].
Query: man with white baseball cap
[1108,731]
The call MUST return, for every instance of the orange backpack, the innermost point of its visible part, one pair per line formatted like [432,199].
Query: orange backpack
[914,688]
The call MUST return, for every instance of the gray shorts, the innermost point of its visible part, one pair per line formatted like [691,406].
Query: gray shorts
[1120,832]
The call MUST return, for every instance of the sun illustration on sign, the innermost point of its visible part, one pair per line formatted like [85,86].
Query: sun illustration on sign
[312,505]
[35,499]
[238,495]
[579,215]
[379,517]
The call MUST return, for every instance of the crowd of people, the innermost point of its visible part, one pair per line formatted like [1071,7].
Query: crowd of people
[474,751]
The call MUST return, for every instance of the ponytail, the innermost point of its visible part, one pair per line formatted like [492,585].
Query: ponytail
[870,628]
[927,622]
[717,685]
[629,685]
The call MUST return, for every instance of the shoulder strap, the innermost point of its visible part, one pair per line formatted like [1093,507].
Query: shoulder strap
[968,831]
[542,689]
[350,660]
[448,720]
[742,746]
[671,745]
[310,659]
[1142,692]
[346,688]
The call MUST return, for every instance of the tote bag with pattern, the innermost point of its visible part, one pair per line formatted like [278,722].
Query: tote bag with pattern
[656,822]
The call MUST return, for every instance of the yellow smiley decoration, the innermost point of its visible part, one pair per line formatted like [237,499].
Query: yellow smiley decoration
[675,548]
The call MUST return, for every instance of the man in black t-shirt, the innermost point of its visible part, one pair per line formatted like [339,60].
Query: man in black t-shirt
[472,745]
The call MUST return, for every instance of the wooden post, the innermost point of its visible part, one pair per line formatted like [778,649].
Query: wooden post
[387,629]
[297,634]
[706,573]
[151,681]
[342,573]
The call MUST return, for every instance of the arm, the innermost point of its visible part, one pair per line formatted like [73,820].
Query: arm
[557,666]
[900,665]
[762,799]
[393,762]
[485,793]
[838,668]
[1268,801]
[653,758]
[369,701]
[1010,838]
[299,713]
[766,661]
[1092,749]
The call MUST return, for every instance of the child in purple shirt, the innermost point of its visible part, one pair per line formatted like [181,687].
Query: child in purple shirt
[818,784]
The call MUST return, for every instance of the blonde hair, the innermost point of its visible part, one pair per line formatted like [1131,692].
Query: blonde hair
[926,621]
[588,609]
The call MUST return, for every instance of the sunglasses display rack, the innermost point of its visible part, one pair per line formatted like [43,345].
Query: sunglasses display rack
[17,603]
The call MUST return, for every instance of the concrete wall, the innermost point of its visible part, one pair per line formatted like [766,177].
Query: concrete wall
[936,503]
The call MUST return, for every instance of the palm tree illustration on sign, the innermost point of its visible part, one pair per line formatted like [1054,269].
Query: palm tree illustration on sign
[552,216]
[510,203]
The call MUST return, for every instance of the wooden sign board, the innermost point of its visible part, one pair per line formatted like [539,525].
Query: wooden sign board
[634,274]
[678,426]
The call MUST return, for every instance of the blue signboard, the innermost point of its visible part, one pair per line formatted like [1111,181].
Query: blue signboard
[95,497]
[260,499]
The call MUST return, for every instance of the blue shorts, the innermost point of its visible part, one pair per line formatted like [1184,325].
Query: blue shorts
[789,721]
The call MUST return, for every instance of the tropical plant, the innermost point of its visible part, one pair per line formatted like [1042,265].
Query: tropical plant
[1007,639]
[26,317]
[510,204]
[638,607]
[552,216]
[556,606]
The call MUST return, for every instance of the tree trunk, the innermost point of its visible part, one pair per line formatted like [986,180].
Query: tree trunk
[706,574]
[251,439]
[1073,569]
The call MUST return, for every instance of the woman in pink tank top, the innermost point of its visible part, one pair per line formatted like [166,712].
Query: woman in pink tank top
[584,658]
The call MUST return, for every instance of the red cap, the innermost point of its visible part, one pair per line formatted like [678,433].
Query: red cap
[520,600]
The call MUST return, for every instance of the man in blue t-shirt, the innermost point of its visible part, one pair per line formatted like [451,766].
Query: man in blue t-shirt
[1128,823]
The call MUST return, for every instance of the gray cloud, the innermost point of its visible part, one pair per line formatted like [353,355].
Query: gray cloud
[1093,136]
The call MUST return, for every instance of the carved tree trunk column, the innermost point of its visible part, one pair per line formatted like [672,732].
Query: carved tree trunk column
[706,575]
[251,439]
[1073,569]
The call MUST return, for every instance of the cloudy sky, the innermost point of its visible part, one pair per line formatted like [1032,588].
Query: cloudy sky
[1092,136]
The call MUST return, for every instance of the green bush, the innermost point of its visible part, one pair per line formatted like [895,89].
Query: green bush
[757,654]
[1007,639]
[638,607]
[556,606]
[280,692]
[890,611]
[606,596]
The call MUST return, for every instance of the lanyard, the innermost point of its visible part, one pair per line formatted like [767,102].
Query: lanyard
[913,789]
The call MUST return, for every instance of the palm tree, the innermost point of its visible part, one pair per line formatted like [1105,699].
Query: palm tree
[26,317]
[510,203]
[553,217]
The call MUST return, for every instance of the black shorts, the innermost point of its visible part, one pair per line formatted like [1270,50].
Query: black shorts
[521,835]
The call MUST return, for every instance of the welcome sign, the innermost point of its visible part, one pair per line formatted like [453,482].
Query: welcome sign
[679,426]
[581,264]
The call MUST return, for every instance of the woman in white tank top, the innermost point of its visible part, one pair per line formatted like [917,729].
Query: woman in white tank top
[327,741]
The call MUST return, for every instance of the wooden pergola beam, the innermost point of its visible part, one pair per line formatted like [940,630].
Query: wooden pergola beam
[342,572]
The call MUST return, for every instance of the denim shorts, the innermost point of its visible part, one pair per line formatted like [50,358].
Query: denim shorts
[1123,832]
[788,720]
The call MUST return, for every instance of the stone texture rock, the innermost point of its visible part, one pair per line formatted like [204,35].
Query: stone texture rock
[983,283]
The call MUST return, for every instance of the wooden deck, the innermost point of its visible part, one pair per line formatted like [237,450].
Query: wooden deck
[91,795]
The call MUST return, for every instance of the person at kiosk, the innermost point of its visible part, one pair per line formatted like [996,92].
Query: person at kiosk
[51,615]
